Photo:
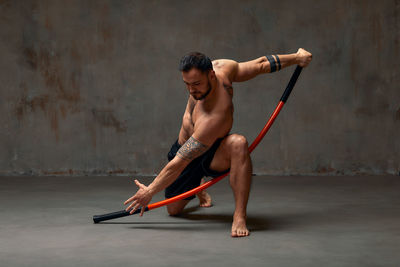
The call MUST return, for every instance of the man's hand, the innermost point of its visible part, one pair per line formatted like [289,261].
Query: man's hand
[142,197]
[303,57]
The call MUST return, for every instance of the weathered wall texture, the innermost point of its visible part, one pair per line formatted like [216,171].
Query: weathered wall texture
[92,87]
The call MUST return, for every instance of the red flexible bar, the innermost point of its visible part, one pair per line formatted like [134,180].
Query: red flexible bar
[122,213]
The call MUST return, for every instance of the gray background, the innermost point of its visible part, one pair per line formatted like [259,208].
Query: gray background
[92,87]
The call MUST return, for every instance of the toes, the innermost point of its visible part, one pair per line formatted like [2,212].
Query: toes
[240,233]
[234,233]
[205,203]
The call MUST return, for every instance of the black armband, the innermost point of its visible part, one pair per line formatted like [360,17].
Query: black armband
[272,63]
[279,62]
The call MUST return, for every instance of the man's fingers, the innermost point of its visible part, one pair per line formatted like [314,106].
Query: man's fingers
[129,200]
[142,211]
[131,205]
[136,199]
[139,184]
[134,209]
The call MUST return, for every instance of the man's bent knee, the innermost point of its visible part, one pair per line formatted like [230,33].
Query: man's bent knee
[173,211]
[177,207]
[239,144]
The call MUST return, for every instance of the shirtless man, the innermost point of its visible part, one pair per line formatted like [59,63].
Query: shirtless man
[204,146]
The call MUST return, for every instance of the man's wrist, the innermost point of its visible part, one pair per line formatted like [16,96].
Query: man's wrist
[296,58]
[151,190]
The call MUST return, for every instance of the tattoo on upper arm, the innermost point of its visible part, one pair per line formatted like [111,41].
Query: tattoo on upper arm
[191,149]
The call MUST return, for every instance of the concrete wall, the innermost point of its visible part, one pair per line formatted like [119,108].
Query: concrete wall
[92,87]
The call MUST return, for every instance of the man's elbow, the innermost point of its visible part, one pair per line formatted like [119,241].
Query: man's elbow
[265,66]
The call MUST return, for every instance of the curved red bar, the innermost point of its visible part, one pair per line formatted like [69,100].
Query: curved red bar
[122,213]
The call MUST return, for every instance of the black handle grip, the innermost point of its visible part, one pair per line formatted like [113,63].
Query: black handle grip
[291,84]
[114,215]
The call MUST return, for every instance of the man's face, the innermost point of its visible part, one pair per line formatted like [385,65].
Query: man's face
[197,83]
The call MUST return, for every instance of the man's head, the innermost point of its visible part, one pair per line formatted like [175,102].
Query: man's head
[197,74]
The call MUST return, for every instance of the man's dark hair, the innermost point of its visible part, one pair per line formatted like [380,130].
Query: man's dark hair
[195,60]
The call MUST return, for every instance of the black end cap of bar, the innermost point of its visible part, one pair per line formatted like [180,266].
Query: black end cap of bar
[291,84]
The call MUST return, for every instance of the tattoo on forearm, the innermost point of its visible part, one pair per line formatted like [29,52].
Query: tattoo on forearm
[191,149]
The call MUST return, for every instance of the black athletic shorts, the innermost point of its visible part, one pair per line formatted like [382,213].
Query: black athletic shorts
[191,176]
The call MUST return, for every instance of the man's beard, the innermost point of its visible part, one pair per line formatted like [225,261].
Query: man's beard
[205,94]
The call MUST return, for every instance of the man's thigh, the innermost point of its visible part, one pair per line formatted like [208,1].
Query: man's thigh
[222,157]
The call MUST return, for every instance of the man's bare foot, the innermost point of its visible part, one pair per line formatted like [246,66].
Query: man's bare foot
[239,228]
[205,199]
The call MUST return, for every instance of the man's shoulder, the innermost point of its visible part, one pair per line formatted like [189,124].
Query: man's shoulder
[225,67]
[216,123]
[223,64]
[220,112]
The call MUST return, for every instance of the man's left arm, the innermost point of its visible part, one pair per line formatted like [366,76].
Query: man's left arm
[243,71]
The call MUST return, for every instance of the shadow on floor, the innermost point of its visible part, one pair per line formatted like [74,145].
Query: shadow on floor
[256,222]
[270,221]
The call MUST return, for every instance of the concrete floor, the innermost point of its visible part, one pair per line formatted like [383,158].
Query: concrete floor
[295,221]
